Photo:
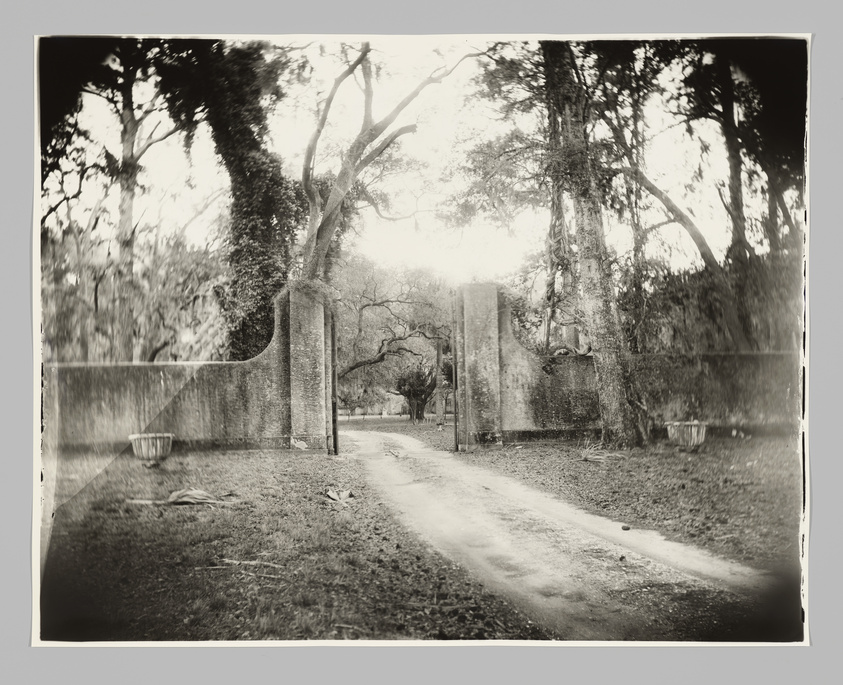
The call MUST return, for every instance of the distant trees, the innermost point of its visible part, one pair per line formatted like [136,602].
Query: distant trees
[176,314]
[388,323]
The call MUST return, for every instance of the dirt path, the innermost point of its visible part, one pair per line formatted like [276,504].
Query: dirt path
[581,576]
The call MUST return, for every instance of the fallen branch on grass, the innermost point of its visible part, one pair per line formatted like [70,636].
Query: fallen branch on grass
[237,562]
[443,607]
[185,496]
[164,501]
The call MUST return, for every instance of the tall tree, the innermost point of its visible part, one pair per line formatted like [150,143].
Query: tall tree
[372,141]
[131,64]
[769,84]
[232,88]
[567,105]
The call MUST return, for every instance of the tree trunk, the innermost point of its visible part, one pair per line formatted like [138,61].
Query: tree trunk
[566,101]
[150,343]
[83,286]
[607,342]
[739,251]
[739,247]
[369,144]
[771,222]
[124,344]
[559,256]
[633,196]
[440,395]
[124,341]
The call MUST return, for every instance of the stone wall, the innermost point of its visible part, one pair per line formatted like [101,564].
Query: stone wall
[264,402]
[280,398]
[506,393]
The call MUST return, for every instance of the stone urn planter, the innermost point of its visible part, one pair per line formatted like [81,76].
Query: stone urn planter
[151,448]
[688,435]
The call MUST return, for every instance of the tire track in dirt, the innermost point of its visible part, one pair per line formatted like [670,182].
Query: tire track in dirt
[577,574]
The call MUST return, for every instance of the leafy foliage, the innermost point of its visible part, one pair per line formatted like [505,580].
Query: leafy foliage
[682,312]
[416,383]
[179,317]
[232,87]
[66,65]
[176,313]
[388,321]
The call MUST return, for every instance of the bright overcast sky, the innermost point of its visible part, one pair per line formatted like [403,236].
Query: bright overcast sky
[449,121]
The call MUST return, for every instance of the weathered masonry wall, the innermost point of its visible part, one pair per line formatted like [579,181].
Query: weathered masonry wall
[278,399]
[265,402]
[506,393]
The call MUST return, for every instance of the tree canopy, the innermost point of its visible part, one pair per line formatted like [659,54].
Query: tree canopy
[669,175]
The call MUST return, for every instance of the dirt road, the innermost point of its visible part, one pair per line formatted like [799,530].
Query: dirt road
[581,576]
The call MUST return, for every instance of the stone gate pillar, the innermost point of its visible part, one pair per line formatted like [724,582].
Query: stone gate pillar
[307,372]
[478,366]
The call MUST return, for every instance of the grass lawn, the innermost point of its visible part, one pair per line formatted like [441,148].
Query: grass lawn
[280,561]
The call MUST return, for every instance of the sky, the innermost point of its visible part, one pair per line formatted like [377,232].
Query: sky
[449,120]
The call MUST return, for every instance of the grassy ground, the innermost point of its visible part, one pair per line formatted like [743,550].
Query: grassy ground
[282,561]
[426,432]
[279,561]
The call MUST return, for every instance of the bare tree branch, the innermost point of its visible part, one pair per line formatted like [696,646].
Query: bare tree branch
[678,215]
[377,359]
[322,223]
[436,77]
[310,151]
[150,108]
[156,350]
[733,324]
[208,202]
[371,202]
[109,99]
[150,141]
[381,148]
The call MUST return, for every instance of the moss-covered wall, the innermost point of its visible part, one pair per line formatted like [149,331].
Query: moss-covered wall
[553,397]
[729,390]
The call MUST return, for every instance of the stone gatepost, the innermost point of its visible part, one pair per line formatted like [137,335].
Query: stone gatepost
[478,366]
[306,371]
